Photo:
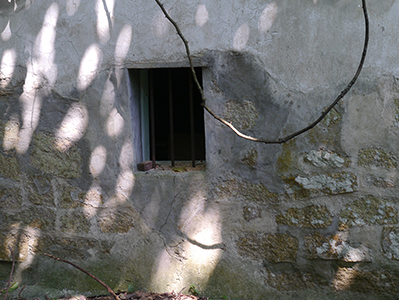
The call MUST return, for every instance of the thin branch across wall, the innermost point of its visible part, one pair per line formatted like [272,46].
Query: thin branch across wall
[297,133]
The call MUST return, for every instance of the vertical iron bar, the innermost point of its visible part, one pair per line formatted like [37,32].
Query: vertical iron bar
[192,135]
[171,134]
[152,118]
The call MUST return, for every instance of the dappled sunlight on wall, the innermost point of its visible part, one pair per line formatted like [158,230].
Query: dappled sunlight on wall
[266,21]
[161,25]
[72,6]
[241,37]
[98,160]
[6,33]
[201,15]
[41,70]
[198,254]
[7,66]
[107,100]
[22,240]
[30,110]
[44,48]
[115,124]
[267,17]
[105,19]
[123,43]
[125,183]
[344,278]
[73,126]
[93,200]
[11,132]
[89,66]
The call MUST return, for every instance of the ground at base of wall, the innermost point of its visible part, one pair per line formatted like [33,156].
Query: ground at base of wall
[140,295]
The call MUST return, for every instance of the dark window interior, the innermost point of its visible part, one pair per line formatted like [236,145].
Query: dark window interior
[178,132]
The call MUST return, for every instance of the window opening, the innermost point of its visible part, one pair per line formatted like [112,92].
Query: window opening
[172,121]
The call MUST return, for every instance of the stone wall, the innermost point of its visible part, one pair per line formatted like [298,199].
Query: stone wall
[316,217]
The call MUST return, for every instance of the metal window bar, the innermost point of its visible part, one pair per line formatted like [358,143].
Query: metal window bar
[171,129]
[192,135]
[152,119]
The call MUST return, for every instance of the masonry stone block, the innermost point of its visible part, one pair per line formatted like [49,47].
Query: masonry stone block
[270,247]
[247,191]
[10,199]
[118,219]
[369,210]
[9,166]
[335,183]
[376,282]
[70,197]
[40,191]
[323,158]
[376,157]
[390,242]
[295,281]
[47,158]
[251,212]
[335,247]
[311,217]
[40,217]
[74,221]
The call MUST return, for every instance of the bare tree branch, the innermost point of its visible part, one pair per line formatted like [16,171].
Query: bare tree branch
[87,273]
[11,273]
[295,134]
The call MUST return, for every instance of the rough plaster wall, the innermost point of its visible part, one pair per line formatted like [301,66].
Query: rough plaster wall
[316,217]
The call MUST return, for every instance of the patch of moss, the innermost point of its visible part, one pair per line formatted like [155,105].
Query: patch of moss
[69,248]
[377,157]
[251,158]
[75,222]
[10,198]
[9,166]
[327,132]
[310,217]
[368,210]
[286,161]
[271,247]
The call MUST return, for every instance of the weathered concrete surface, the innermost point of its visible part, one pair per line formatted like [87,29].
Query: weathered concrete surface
[315,218]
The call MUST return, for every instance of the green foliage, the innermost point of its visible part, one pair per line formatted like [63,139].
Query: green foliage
[12,288]
[193,291]
[130,288]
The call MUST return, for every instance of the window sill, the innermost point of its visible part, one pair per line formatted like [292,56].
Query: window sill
[180,166]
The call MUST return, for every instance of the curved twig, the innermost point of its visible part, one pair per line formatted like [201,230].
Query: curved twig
[295,134]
